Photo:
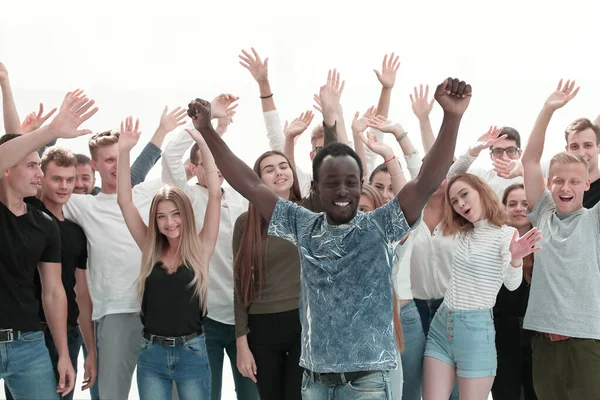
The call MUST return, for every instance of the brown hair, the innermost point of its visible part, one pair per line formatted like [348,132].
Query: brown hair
[581,124]
[528,260]
[248,266]
[318,132]
[102,139]
[195,154]
[564,157]
[372,194]
[493,210]
[60,156]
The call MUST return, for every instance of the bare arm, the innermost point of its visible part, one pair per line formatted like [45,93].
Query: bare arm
[293,131]
[422,108]
[84,302]
[387,78]
[359,124]
[74,111]
[241,177]
[396,175]
[533,176]
[414,194]
[128,138]
[9,109]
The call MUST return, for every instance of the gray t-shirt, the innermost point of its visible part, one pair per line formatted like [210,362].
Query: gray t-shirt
[346,300]
[565,286]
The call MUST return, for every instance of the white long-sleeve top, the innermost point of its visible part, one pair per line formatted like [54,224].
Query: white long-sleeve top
[480,266]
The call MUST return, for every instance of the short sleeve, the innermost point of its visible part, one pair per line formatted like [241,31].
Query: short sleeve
[52,252]
[286,220]
[390,219]
[544,206]
[83,256]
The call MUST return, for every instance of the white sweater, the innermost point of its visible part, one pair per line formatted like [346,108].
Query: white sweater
[480,266]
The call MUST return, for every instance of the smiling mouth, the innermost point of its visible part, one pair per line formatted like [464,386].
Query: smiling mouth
[280,181]
[342,203]
[565,199]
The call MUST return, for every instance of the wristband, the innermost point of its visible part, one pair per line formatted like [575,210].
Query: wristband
[387,161]
[266,97]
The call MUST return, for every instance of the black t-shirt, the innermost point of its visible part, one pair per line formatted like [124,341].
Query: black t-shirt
[169,306]
[73,255]
[592,196]
[25,241]
[512,303]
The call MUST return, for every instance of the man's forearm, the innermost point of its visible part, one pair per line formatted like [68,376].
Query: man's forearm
[85,322]
[9,109]
[144,163]
[535,144]
[14,151]
[55,309]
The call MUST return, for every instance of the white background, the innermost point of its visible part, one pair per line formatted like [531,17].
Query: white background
[135,57]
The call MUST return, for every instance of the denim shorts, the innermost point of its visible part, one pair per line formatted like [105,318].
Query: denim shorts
[465,340]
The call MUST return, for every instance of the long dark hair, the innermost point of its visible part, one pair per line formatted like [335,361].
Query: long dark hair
[248,266]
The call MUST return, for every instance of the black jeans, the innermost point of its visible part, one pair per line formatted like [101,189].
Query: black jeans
[514,376]
[274,340]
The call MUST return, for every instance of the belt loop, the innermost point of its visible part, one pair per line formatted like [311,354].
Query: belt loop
[343,376]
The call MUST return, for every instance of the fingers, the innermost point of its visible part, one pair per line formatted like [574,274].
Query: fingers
[45,117]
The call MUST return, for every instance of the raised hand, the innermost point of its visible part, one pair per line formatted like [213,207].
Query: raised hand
[223,123]
[329,96]
[486,140]
[387,76]
[252,62]
[129,134]
[384,125]
[359,124]
[170,121]
[3,73]
[525,245]
[562,95]
[508,169]
[34,121]
[223,106]
[298,125]
[420,106]
[199,111]
[454,96]
[377,147]
[74,111]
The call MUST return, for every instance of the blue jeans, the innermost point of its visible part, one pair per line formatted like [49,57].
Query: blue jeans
[185,364]
[375,386]
[221,337]
[26,367]
[412,357]
[427,310]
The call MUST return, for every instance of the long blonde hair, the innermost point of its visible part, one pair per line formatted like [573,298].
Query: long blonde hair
[190,248]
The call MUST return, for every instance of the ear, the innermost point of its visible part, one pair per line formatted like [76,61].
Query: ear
[312,154]
[314,186]
[588,182]
[567,147]
[548,183]
[94,165]
[192,168]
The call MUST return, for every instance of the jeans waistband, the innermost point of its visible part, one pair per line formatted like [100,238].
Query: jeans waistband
[445,309]
[337,379]
[170,341]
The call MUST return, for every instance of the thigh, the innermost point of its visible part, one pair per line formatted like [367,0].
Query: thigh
[476,388]
[192,372]
[583,379]
[508,384]
[216,338]
[245,389]
[438,379]
[293,374]
[374,386]
[313,390]
[270,367]
[412,357]
[118,345]
[30,374]
[474,345]
[547,380]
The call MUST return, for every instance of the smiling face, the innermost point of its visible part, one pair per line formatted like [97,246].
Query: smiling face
[366,204]
[339,188]
[105,162]
[465,201]
[277,174]
[25,177]
[85,180]
[568,182]
[168,219]
[58,183]
[584,144]
[516,207]
[383,183]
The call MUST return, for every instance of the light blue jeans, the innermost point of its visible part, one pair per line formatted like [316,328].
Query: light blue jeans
[375,386]
[408,386]
[185,364]
[27,369]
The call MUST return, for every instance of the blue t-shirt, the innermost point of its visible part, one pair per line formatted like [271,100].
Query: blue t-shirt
[346,298]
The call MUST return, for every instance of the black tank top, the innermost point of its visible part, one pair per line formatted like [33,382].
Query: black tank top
[169,306]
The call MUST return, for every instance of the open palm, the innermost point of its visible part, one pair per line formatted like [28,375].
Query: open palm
[525,245]
[562,95]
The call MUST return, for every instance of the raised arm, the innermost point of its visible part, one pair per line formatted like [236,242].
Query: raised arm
[212,214]
[396,175]
[387,78]
[359,124]
[241,177]
[9,109]
[332,110]
[293,131]
[533,176]
[454,97]
[128,138]
[422,108]
[35,121]
[74,111]
[464,162]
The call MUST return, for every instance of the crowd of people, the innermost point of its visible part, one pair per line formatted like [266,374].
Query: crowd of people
[356,280]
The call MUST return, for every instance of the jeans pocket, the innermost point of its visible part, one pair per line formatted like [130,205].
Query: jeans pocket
[144,345]
[372,383]
[29,337]
[197,345]
[477,322]
[305,381]
[409,314]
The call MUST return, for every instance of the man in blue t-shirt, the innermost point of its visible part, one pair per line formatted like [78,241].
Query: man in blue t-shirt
[346,303]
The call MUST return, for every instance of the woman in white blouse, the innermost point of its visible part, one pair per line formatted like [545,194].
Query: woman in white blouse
[461,340]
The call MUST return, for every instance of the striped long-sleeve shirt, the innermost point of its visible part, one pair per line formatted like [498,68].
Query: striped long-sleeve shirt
[481,264]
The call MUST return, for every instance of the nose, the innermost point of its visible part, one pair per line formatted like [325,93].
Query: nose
[342,191]
[39,173]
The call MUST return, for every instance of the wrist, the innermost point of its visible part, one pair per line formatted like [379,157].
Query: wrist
[474,151]
[400,134]
[161,130]
[516,263]
[388,157]
[264,87]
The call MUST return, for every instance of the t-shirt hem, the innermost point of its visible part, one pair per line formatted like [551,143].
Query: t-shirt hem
[276,306]
[576,335]
[338,369]
[98,316]
[224,321]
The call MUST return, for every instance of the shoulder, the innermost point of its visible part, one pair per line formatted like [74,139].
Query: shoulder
[241,220]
